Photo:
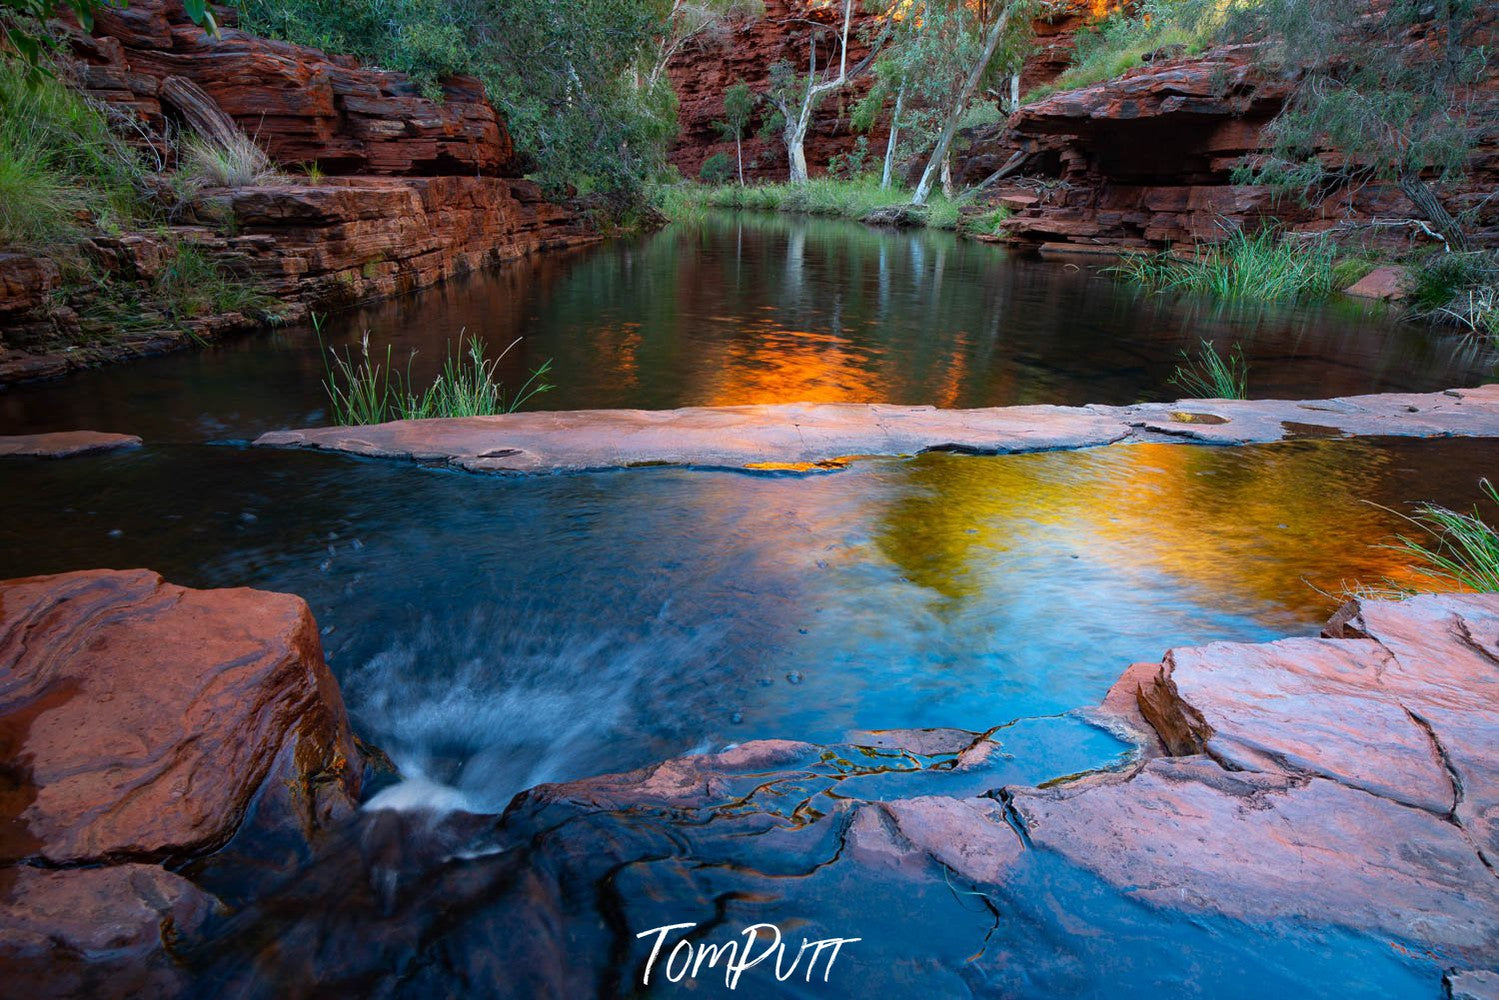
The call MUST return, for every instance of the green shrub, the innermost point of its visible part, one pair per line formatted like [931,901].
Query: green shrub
[1261,266]
[717,168]
[1210,375]
[1440,279]
[192,285]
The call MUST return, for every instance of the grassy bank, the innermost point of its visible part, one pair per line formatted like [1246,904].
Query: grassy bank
[1259,266]
[853,199]
[1121,41]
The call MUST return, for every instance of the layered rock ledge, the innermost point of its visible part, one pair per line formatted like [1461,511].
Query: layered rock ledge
[139,723]
[806,437]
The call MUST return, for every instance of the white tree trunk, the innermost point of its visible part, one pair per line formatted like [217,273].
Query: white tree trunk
[885,177]
[947,174]
[960,105]
[739,155]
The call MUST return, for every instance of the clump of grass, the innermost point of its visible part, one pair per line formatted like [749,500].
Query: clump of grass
[231,162]
[62,168]
[1244,266]
[987,223]
[1453,551]
[1478,312]
[1458,288]
[1210,375]
[363,389]
[191,284]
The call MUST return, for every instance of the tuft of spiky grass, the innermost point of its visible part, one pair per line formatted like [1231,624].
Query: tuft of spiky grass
[1244,266]
[1210,375]
[359,388]
[363,389]
[1477,312]
[1456,550]
[234,162]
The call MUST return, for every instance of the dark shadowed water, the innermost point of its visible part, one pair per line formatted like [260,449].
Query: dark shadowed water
[493,633]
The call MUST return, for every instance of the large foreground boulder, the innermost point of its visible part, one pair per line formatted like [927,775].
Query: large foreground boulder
[139,723]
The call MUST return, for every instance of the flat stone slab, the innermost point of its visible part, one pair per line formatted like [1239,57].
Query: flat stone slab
[63,444]
[804,437]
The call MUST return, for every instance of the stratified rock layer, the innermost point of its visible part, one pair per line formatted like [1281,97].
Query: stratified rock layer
[806,437]
[303,105]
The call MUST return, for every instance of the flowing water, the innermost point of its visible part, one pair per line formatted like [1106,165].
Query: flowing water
[493,633]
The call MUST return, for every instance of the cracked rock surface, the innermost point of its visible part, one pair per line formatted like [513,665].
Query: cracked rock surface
[807,437]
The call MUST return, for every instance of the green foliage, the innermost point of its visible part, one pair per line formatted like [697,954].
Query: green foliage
[987,223]
[824,196]
[1121,41]
[1210,375]
[567,74]
[738,110]
[61,166]
[717,168]
[1261,266]
[853,164]
[1439,279]
[1456,550]
[363,389]
[1382,95]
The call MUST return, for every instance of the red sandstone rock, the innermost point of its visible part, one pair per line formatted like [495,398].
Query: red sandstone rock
[64,444]
[805,437]
[1386,283]
[138,719]
[301,104]
[1146,160]
[95,932]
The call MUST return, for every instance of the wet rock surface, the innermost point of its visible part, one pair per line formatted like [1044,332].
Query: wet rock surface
[63,444]
[139,724]
[811,437]
[1328,798]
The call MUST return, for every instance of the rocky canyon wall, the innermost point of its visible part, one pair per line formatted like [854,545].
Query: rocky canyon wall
[408,191]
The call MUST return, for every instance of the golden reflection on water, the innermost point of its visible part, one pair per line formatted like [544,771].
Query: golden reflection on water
[1275,525]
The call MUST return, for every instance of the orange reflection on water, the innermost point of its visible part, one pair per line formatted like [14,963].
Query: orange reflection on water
[1294,528]
[773,365]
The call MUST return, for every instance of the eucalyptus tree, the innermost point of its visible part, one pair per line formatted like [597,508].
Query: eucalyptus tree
[738,109]
[796,94]
[1383,93]
[960,50]
[680,21]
